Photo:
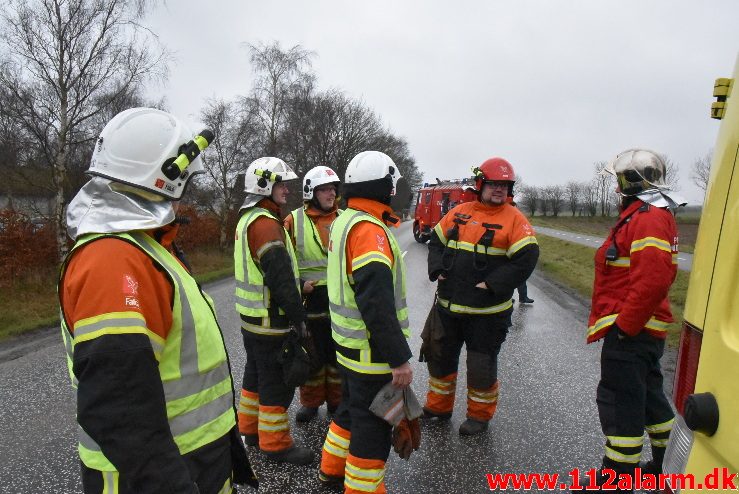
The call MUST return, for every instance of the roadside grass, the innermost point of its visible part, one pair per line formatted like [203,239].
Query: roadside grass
[32,303]
[571,265]
[600,226]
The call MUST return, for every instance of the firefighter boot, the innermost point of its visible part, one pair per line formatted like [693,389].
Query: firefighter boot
[607,481]
[471,427]
[654,466]
[306,414]
[295,455]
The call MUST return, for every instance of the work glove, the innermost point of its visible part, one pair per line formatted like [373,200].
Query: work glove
[406,437]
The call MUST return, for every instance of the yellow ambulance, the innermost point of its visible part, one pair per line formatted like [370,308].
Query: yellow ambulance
[703,450]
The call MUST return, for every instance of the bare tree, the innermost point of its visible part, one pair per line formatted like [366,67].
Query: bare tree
[280,74]
[63,58]
[553,199]
[590,196]
[701,170]
[605,185]
[672,173]
[235,128]
[530,198]
[573,193]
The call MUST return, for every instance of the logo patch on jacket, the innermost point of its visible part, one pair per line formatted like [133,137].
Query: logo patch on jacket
[380,242]
[130,291]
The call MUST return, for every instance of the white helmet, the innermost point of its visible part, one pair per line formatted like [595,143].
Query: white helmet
[149,149]
[372,165]
[637,171]
[317,176]
[261,175]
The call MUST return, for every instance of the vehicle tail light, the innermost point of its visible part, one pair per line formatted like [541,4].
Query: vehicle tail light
[687,365]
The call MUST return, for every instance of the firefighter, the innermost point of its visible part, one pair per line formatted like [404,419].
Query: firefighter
[155,403]
[369,322]
[269,304]
[634,269]
[309,227]
[479,252]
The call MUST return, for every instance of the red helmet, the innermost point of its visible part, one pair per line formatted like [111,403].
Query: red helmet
[494,170]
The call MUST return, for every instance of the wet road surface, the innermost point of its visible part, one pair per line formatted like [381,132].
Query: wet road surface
[546,420]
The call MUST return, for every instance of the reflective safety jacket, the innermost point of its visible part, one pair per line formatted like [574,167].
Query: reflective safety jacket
[475,242]
[191,361]
[261,313]
[369,321]
[309,230]
[632,281]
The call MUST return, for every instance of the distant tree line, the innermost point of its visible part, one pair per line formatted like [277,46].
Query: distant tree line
[593,197]
[68,66]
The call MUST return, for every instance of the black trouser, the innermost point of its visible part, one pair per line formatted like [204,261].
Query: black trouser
[483,335]
[263,373]
[371,436]
[320,330]
[631,397]
[523,291]
[209,467]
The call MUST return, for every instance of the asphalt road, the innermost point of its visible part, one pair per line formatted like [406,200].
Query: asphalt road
[684,260]
[546,420]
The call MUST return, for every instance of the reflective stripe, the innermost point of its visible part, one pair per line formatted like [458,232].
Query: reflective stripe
[362,479]
[442,387]
[481,397]
[602,323]
[626,441]
[623,262]
[620,457]
[185,387]
[440,233]
[337,440]
[463,309]
[605,321]
[345,311]
[110,482]
[480,249]
[188,343]
[530,240]
[643,243]
[227,487]
[318,315]
[663,427]
[369,257]
[85,440]
[202,415]
[248,287]
[364,367]
[269,245]
[253,328]
[659,443]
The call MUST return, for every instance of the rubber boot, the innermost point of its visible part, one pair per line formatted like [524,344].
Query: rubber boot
[306,414]
[428,415]
[471,427]
[296,455]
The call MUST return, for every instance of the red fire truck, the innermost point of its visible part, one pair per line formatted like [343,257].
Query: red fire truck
[435,200]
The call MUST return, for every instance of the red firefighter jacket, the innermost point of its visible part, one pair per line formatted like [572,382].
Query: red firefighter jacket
[631,284]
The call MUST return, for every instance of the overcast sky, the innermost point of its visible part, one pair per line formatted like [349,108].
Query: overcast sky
[551,85]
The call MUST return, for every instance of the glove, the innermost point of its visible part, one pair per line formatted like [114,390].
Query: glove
[406,437]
